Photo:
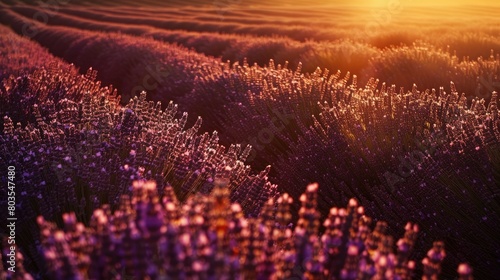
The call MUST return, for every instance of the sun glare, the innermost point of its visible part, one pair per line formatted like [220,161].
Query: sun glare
[382,3]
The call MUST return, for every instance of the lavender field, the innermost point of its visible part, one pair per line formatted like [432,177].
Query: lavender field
[250,139]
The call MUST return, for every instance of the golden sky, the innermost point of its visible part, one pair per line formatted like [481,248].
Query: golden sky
[385,3]
[434,2]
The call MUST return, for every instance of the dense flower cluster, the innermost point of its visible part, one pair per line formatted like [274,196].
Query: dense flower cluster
[151,235]
[20,94]
[420,155]
[375,143]
[84,150]
[272,104]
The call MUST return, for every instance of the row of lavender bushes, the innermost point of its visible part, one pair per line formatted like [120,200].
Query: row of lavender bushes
[121,60]
[77,148]
[471,39]
[20,55]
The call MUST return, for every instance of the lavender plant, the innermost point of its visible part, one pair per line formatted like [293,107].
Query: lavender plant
[272,105]
[152,235]
[400,144]
[424,153]
[84,149]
